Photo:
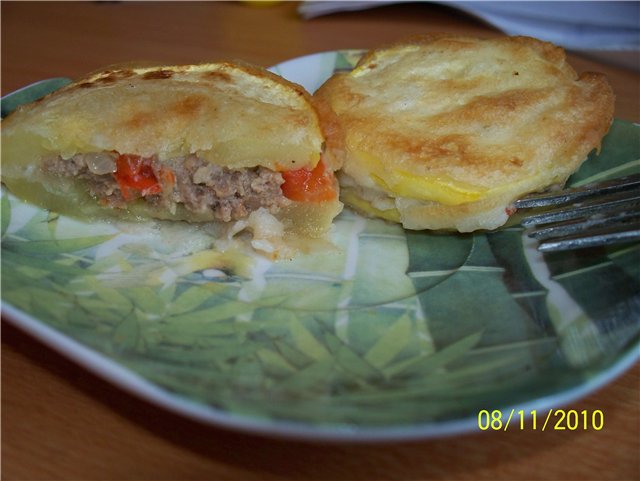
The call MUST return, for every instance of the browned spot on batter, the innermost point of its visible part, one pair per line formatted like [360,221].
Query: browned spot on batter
[111,76]
[297,119]
[215,75]
[107,79]
[124,73]
[438,152]
[517,161]
[140,120]
[157,74]
[188,106]
[352,99]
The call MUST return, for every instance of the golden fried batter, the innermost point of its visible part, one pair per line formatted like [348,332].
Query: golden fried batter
[445,132]
[191,142]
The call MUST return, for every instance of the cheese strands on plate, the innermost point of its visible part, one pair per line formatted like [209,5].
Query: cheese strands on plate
[445,132]
[221,142]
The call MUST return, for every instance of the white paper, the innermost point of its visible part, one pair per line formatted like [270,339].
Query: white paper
[572,25]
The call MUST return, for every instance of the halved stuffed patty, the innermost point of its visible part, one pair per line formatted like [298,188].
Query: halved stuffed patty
[212,142]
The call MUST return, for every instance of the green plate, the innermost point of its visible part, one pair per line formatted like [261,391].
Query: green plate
[393,334]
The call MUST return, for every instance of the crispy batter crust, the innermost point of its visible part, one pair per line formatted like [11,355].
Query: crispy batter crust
[233,114]
[491,118]
[230,114]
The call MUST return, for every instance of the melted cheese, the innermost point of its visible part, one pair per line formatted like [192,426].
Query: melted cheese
[350,197]
[442,189]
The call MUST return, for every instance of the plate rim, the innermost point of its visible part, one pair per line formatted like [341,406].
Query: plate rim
[118,375]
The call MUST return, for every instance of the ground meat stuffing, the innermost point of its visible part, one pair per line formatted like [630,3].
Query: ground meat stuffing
[197,184]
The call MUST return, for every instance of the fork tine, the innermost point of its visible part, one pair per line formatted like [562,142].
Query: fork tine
[604,237]
[630,182]
[625,202]
[597,214]
[617,220]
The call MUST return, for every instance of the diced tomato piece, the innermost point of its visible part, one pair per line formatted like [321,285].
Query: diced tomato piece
[304,185]
[135,177]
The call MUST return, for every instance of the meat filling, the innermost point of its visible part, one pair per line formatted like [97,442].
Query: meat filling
[193,182]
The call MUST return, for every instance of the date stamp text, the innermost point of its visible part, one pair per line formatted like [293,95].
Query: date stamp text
[552,420]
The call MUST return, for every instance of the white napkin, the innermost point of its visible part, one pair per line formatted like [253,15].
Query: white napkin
[584,26]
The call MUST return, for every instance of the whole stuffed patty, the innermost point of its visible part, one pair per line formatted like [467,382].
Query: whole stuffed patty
[445,132]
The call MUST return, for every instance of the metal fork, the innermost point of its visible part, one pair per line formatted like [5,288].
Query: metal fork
[600,213]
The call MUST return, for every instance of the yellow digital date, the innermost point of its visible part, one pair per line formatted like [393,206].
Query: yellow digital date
[553,420]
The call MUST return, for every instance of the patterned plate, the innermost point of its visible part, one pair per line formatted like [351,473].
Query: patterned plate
[391,335]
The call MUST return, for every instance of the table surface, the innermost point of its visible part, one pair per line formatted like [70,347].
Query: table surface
[61,422]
